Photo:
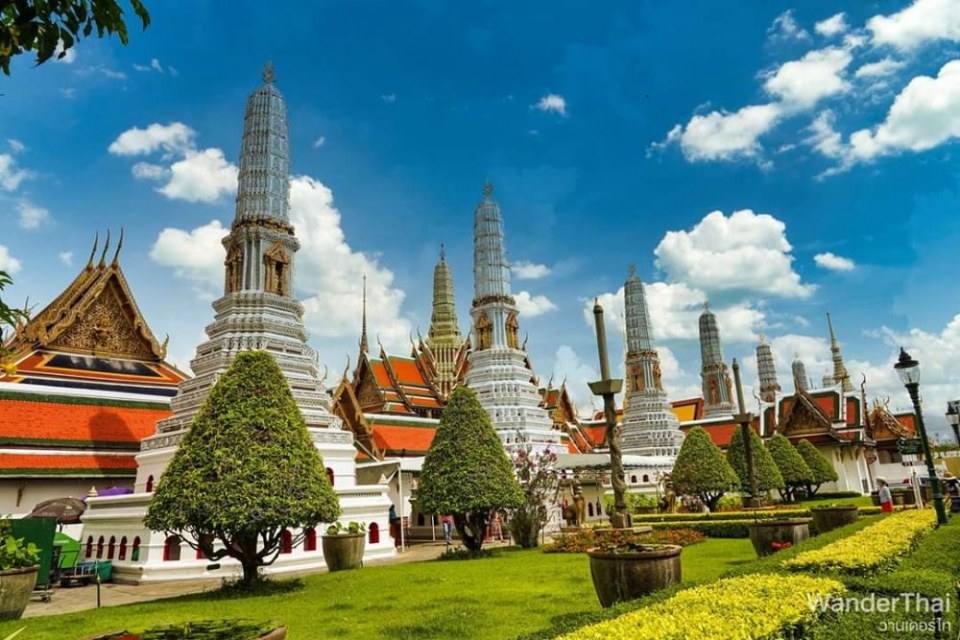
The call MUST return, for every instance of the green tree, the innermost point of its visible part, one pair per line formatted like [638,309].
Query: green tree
[765,469]
[52,27]
[701,470]
[820,468]
[795,472]
[466,472]
[245,472]
[9,317]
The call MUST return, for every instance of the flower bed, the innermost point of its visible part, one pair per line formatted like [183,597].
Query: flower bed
[580,541]
[753,607]
[761,514]
[871,548]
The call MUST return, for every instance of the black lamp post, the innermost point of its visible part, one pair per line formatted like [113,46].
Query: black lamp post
[953,417]
[909,371]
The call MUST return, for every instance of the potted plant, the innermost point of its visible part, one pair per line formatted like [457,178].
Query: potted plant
[770,536]
[831,516]
[343,546]
[625,570]
[18,572]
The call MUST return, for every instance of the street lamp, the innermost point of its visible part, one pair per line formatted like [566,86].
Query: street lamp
[909,371]
[953,417]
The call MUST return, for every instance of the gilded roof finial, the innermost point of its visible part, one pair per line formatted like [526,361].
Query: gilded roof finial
[106,247]
[631,270]
[268,72]
[488,189]
[93,251]
[363,330]
[706,306]
[443,253]
[116,254]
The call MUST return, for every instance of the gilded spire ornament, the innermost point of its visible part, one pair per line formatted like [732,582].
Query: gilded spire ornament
[840,375]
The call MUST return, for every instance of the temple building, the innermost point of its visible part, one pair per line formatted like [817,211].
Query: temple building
[650,427]
[499,371]
[83,381]
[714,375]
[256,311]
[767,372]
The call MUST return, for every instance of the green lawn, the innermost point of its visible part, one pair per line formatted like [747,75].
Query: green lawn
[515,593]
[860,501]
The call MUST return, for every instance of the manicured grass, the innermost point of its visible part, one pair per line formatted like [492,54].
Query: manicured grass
[515,593]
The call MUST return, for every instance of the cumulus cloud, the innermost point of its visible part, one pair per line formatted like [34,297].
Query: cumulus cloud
[833,262]
[66,257]
[531,306]
[832,26]
[722,135]
[880,68]
[31,216]
[149,171]
[64,57]
[785,27]
[10,175]
[15,145]
[175,137]
[745,252]
[922,22]
[524,270]
[154,66]
[570,369]
[800,84]
[7,262]
[196,255]
[552,102]
[202,176]
[319,142]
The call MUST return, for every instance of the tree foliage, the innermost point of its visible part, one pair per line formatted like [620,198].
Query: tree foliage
[795,472]
[701,470]
[766,471]
[821,470]
[466,472]
[245,472]
[52,27]
[9,317]
[537,475]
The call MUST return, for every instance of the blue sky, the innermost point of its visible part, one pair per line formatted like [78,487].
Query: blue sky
[610,136]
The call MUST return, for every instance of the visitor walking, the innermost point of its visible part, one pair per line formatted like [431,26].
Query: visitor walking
[886,498]
[447,524]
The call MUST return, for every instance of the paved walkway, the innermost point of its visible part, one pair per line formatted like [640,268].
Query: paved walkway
[70,599]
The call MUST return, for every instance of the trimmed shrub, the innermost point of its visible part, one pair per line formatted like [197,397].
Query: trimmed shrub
[820,469]
[701,470]
[584,539]
[466,472]
[765,469]
[795,472]
[245,472]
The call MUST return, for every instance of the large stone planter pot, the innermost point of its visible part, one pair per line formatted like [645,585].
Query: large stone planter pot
[767,537]
[618,577]
[344,551]
[16,585]
[828,518]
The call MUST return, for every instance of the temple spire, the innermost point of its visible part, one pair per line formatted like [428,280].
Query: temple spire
[443,337]
[840,375]
[767,371]
[799,374]
[93,251]
[714,376]
[363,331]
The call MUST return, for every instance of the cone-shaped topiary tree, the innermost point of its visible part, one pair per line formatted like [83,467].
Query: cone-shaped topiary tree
[466,472]
[821,470]
[765,469]
[701,469]
[245,472]
[795,472]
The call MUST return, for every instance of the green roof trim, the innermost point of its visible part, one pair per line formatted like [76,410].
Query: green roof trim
[394,422]
[97,402]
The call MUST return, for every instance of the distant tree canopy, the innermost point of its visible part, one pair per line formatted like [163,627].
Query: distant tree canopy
[766,471]
[9,316]
[701,470]
[466,472]
[245,472]
[52,27]
[796,474]
[821,470]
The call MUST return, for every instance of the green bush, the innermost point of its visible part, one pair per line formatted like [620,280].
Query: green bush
[765,469]
[795,472]
[820,469]
[466,472]
[14,554]
[721,529]
[245,472]
[462,553]
[701,470]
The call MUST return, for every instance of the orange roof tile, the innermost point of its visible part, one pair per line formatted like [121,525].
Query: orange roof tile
[411,439]
[721,433]
[596,434]
[79,423]
[93,462]
[407,371]
[380,374]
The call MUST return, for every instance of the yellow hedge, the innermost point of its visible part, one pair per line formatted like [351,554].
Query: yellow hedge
[753,607]
[870,548]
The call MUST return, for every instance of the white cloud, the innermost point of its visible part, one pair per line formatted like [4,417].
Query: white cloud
[7,262]
[66,257]
[389,98]
[15,145]
[31,216]
[823,137]
[922,22]
[745,252]
[175,137]
[834,262]
[721,135]
[880,68]
[800,84]
[524,270]
[107,72]
[552,102]
[69,56]
[154,65]
[569,368]
[319,142]
[195,255]
[832,26]
[149,171]
[531,306]
[10,175]
[202,176]
[785,27]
